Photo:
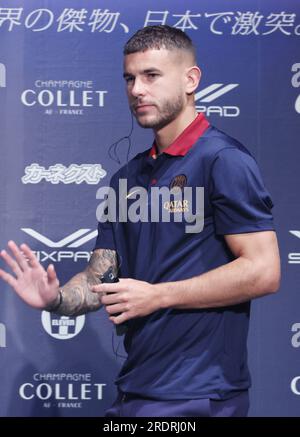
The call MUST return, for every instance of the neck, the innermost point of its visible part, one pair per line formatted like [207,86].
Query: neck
[168,134]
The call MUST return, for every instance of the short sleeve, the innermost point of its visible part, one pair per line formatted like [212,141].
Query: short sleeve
[105,238]
[238,196]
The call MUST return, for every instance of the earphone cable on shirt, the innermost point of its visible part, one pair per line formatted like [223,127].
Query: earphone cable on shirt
[113,154]
[113,148]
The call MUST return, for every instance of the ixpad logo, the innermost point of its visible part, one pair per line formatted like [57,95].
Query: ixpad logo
[294,257]
[72,241]
[2,76]
[296,84]
[2,335]
[62,327]
[63,97]
[61,390]
[205,100]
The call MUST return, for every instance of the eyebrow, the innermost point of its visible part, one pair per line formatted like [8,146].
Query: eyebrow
[147,71]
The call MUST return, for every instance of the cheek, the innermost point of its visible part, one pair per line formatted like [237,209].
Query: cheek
[129,94]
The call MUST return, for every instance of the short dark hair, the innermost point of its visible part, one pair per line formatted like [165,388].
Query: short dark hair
[158,37]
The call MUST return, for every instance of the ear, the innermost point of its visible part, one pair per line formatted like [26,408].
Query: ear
[193,76]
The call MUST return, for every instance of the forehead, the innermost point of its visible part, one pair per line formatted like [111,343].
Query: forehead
[150,59]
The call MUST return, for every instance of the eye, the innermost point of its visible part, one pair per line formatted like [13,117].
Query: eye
[129,79]
[152,75]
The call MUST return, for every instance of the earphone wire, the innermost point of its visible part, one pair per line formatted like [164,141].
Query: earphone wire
[113,148]
[113,154]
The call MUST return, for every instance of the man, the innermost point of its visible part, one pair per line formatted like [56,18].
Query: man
[184,296]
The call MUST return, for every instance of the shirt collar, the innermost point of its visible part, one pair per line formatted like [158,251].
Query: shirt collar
[186,139]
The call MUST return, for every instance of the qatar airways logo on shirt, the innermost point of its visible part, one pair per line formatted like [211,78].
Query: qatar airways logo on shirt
[177,203]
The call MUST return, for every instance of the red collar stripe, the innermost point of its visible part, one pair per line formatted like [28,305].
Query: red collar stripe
[186,139]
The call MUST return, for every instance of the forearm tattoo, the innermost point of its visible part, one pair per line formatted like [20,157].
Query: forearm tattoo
[77,295]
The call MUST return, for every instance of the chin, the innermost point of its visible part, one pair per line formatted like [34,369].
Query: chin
[147,123]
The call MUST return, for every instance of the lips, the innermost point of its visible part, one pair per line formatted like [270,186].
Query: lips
[143,107]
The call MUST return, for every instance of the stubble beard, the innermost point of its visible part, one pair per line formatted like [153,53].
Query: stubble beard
[167,112]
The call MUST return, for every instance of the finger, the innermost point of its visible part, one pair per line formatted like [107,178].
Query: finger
[11,263]
[8,278]
[110,299]
[115,309]
[121,318]
[21,260]
[30,255]
[51,274]
[108,288]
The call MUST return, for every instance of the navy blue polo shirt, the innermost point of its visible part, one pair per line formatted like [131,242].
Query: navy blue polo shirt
[196,353]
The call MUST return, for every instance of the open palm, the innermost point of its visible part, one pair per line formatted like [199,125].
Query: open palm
[35,285]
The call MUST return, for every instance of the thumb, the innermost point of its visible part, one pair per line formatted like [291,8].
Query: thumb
[51,273]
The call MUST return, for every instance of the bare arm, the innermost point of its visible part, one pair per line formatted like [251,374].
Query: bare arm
[77,295]
[254,273]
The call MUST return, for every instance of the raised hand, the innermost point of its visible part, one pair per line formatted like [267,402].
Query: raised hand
[35,285]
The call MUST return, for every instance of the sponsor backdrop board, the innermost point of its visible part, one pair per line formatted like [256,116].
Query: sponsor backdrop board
[62,106]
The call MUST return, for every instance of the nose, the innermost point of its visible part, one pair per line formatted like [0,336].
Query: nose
[138,88]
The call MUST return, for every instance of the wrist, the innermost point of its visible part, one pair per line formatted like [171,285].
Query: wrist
[161,290]
[55,305]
